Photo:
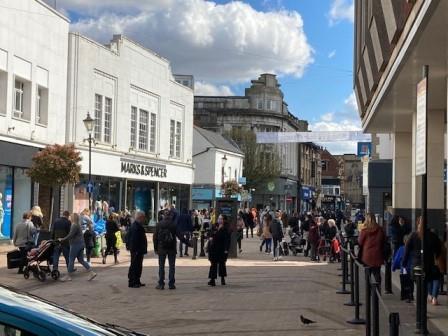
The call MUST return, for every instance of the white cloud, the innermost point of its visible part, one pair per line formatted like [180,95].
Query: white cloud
[215,42]
[341,10]
[345,120]
[332,54]
[208,89]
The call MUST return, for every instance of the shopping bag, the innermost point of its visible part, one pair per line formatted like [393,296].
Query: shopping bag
[119,242]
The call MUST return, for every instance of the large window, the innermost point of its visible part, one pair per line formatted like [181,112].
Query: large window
[152,139]
[107,119]
[19,92]
[143,131]
[103,119]
[178,138]
[41,105]
[133,127]
[175,138]
[172,135]
[98,116]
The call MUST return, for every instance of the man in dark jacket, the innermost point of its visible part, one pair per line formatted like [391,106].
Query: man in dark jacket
[136,243]
[61,229]
[277,233]
[184,229]
[165,245]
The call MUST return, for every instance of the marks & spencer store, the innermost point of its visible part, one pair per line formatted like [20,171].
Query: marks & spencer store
[124,182]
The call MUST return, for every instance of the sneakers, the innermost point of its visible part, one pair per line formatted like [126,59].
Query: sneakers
[92,275]
[434,301]
[66,278]
[275,259]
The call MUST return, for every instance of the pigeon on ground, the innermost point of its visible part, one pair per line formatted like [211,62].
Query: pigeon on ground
[305,320]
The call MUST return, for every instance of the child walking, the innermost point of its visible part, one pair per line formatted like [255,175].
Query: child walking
[406,283]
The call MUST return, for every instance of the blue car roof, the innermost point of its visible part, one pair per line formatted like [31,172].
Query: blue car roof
[46,314]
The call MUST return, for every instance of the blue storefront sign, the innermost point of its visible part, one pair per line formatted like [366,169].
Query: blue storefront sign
[242,180]
[364,149]
[306,193]
[199,194]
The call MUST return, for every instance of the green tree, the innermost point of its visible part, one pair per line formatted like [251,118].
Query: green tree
[55,166]
[261,162]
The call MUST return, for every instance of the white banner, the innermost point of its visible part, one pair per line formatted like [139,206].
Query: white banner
[296,137]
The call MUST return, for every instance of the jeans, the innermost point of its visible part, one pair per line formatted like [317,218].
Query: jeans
[276,246]
[65,249]
[433,287]
[184,241]
[77,252]
[172,269]
[135,268]
[268,244]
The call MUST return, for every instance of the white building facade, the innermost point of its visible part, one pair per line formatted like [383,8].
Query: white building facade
[216,161]
[33,89]
[142,155]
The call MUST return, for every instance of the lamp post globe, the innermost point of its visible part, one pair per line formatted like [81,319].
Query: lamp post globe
[89,123]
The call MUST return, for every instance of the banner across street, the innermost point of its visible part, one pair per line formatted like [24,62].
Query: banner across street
[296,137]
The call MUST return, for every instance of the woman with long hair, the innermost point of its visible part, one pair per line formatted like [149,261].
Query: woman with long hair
[218,251]
[267,233]
[371,242]
[432,252]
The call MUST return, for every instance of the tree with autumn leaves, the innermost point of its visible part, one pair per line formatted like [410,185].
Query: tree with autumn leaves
[55,166]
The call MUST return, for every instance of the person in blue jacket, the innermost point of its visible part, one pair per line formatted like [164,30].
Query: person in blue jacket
[185,229]
[406,283]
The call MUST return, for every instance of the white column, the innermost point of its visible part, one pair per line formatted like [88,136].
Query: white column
[402,172]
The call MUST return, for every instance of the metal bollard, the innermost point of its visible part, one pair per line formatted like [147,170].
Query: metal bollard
[388,277]
[375,308]
[357,319]
[368,299]
[394,324]
[343,290]
[351,303]
[421,318]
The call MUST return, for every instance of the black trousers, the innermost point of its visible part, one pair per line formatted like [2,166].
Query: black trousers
[251,228]
[135,269]
[215,267]
[23,254]
[407,287]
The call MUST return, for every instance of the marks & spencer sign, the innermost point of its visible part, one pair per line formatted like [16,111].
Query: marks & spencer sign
[143,169]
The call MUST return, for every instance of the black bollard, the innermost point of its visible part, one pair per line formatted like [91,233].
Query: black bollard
[351,303]
[388,277]
[357,319]
[375,308]
[368,299]
[394,324]
[421,318]
[343,290]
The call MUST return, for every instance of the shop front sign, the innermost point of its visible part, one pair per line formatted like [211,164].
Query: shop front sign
[143,169]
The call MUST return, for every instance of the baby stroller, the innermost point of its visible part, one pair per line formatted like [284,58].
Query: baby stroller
[296,244]
[36,259]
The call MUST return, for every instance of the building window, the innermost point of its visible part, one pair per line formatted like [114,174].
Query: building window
[107,119]
[152,139]
[143,131]
[178,138]
[260,104]
[268,104]
[19,91]
[98,116]
[38,105]
[133,126]
[324,165]
[172,134]
[41,105]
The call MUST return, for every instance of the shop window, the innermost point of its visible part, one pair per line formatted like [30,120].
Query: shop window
[98,116]
[22,194]
[143,131]
[6,194]
[41,105]
[3,91]
[22,96]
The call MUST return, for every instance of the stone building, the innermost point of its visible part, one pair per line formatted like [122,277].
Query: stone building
[330,197]
[310,176]
[351,168]
[262,109]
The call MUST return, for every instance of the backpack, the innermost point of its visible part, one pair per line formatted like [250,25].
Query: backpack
[165,237]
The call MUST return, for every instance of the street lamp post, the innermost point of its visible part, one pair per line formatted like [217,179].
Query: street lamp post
[223,165]
[89,123]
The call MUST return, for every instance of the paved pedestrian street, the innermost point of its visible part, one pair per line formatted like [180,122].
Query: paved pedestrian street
[262,297]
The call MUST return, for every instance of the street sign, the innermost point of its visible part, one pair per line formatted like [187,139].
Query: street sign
[364,149]
[242,180]
[420,140]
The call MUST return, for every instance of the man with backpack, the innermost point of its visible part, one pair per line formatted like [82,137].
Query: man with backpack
[165,246]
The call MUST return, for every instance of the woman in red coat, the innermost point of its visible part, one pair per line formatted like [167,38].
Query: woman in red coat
[371,242]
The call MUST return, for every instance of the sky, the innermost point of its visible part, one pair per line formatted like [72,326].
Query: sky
[225,44]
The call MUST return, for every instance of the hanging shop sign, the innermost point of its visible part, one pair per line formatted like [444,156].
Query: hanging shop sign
[143,168]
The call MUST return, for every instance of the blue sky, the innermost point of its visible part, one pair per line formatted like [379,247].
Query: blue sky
[224,44]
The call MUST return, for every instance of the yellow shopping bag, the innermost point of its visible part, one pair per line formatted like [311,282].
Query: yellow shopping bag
[119,242]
